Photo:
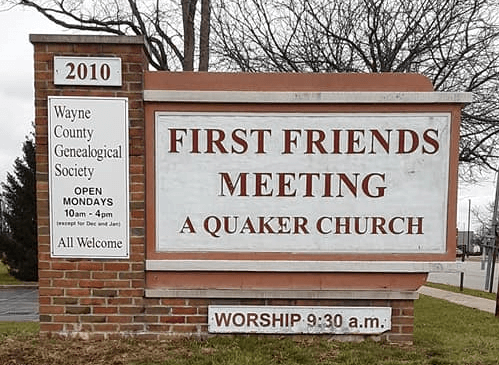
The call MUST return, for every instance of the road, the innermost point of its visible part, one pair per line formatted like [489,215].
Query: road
[18,304]
[474,277]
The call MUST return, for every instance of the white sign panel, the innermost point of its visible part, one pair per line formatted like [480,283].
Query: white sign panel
[299,320]
[326,183]
[95,71]
[88,177]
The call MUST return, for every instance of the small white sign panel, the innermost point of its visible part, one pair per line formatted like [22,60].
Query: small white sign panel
[326,183]
[299,320]
[95,71]
[88,177]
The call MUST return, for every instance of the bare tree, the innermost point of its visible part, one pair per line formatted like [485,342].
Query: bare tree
[453,42]
[169,45]
[483,215]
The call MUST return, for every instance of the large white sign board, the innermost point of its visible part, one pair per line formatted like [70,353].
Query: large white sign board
[88,177]
[299,320]
[325,183]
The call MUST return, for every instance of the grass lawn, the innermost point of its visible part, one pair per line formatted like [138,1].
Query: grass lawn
[5,278]
[444,333]
[15,329]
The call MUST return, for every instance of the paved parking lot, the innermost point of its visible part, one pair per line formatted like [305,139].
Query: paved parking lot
[18,304]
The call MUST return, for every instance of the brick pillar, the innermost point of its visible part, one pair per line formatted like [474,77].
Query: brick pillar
[81,297]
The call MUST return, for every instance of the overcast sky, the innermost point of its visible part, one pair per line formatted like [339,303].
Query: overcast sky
[16,81]
[17,106]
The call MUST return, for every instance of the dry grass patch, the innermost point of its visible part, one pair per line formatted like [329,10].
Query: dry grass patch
[35,351]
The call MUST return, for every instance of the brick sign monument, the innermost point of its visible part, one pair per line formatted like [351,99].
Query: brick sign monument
[205,203]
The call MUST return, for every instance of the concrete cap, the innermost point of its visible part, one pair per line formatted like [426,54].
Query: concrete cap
[101,39]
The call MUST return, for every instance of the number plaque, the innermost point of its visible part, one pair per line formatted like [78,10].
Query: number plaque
[88,71]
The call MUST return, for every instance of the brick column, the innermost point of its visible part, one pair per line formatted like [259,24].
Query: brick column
[80,297]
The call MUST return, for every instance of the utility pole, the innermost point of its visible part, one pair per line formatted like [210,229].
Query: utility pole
[496,243]
[494,235]
[465,246]
[497,294]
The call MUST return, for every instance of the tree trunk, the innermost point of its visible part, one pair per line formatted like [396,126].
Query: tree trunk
[204,35]
[188,13]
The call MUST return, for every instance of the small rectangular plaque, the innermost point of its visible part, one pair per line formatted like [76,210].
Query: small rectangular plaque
[299,320]
[88,71]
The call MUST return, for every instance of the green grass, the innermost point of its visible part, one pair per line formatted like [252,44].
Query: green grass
[453,334]
[5,278]
[18,328]
[456,289]
[444,334]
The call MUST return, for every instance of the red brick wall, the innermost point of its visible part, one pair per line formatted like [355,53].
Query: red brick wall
[105,298]
[166,317]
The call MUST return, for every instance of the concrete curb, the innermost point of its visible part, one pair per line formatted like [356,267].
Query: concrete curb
[20,286]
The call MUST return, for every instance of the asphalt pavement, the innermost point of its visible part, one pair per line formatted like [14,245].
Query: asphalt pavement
[18,303]
[474,276]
